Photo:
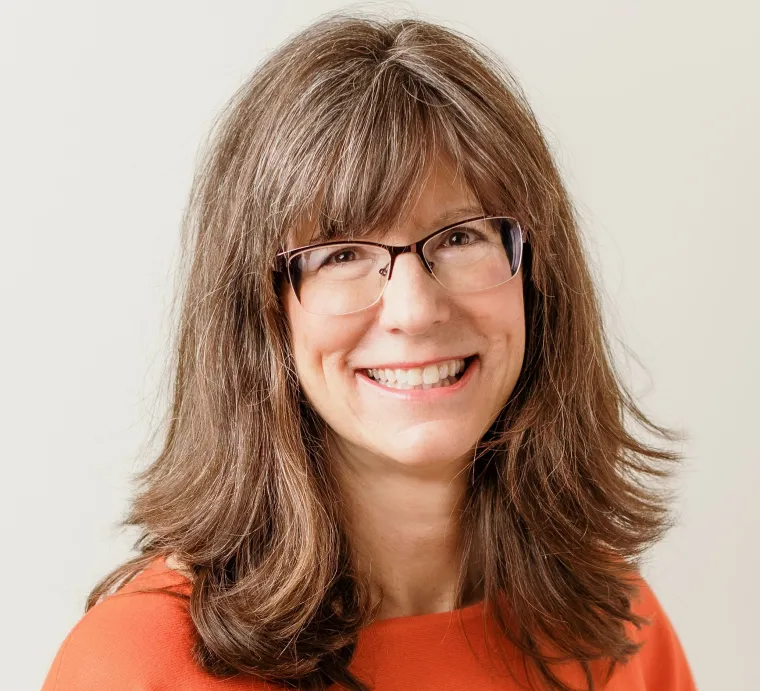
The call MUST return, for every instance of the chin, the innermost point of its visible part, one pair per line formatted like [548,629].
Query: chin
[429,450]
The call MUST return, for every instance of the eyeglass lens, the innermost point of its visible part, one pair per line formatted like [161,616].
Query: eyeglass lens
[348,277]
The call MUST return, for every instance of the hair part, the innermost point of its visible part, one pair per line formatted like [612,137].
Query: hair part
[332,135]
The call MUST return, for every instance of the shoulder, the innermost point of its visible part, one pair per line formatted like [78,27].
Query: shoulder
[140,637]
[661,659]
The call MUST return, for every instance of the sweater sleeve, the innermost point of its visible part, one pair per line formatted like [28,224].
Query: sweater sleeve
[136,641]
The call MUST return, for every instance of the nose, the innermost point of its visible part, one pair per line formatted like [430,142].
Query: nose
[413,300]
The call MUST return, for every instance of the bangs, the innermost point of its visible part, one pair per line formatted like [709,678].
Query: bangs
[383,139]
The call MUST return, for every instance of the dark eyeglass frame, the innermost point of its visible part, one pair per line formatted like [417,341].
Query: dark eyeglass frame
[283,259]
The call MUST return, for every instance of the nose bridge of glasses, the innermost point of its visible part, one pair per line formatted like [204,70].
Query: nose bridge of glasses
[414,249]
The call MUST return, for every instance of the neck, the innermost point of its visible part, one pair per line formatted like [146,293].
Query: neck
[404,524]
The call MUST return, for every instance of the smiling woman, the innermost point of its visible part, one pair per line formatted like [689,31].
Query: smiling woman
[394,405]
[466,310]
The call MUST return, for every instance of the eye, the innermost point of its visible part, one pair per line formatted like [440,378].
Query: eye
[458,237]
[342,256]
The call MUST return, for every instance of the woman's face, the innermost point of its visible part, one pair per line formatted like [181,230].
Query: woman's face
[417,322]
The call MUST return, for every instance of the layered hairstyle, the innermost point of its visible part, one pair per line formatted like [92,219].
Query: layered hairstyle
[335,131]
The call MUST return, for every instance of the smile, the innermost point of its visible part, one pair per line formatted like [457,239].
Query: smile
[438,375]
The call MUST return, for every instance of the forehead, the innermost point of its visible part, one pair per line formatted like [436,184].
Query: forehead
[443,198]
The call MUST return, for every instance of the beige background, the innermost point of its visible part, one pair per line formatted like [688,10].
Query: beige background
[652,108]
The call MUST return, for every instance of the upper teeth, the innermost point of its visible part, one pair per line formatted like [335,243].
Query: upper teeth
[430,374]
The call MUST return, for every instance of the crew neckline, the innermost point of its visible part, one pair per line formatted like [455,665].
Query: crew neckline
[428,618]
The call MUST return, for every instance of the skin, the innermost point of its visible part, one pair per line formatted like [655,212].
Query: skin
[402,465]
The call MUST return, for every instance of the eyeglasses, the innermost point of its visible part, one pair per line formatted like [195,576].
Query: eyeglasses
[336,278]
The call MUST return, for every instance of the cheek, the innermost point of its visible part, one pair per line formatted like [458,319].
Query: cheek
[500,314]
[510,320]
[320,346]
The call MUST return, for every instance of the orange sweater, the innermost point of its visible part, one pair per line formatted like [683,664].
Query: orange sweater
[143,641]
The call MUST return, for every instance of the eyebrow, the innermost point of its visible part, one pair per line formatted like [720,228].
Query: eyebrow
[447,217]
[456,214]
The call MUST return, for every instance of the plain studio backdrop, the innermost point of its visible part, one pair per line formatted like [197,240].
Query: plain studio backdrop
[652,109]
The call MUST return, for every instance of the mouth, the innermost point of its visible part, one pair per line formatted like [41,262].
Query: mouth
[438,375]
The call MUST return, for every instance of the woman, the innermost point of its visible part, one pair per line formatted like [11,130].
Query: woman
[397,456]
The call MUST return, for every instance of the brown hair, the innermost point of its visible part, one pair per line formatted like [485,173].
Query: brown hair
[338,127]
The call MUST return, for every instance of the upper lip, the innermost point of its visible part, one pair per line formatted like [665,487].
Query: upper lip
[416,363]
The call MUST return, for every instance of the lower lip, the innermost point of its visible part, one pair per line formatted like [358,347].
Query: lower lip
[424,394]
